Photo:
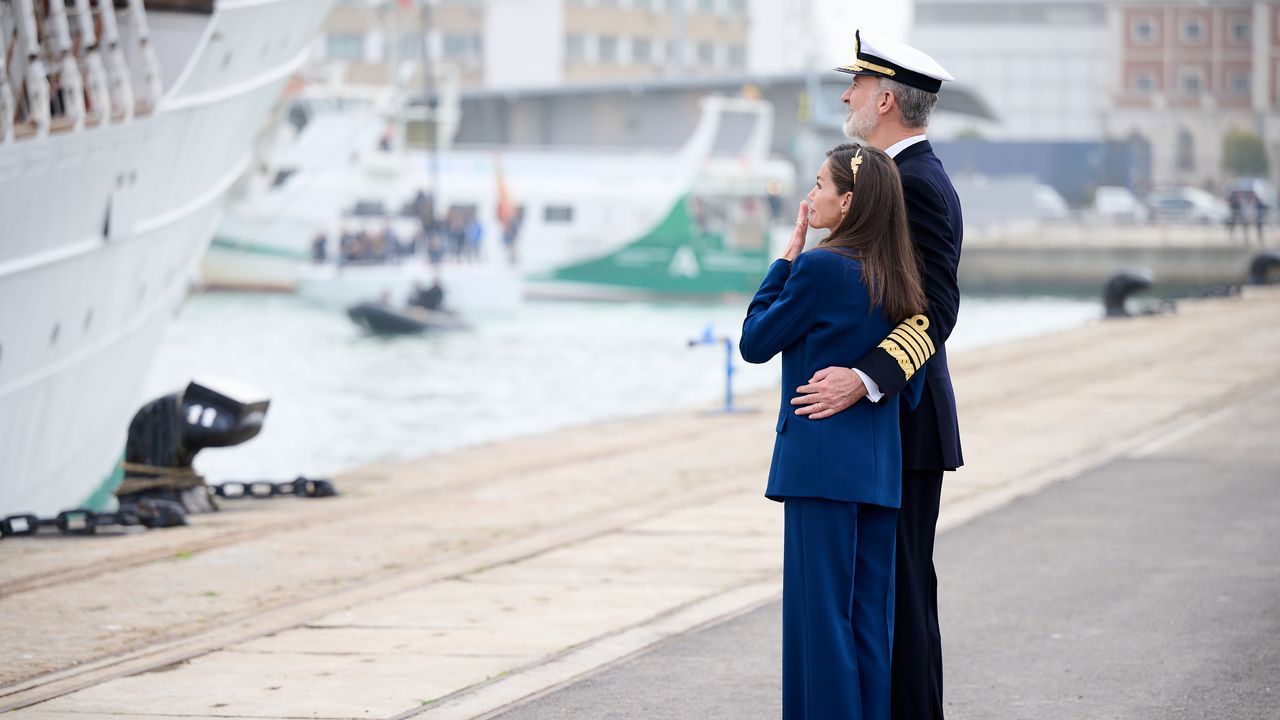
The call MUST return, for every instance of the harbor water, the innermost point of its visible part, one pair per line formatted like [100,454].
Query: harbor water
[341,398]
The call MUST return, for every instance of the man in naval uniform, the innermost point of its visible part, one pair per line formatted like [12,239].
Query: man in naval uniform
[893,90]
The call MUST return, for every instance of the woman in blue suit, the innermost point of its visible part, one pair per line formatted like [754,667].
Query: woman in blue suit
[840,478]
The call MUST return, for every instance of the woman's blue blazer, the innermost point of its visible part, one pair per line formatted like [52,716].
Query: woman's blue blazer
[817,312]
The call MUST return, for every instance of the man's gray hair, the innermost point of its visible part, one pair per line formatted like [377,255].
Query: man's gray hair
[914,104]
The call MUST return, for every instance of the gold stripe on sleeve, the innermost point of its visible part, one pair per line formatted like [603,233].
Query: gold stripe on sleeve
[897,354]
[918,325]
[911,345]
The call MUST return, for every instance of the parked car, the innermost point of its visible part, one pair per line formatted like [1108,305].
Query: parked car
[1119,205]
[1187,205]
[1050,205]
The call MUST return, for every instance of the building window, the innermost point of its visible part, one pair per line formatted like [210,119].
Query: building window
[706,55]
[737,57]
[1142,30]
[707,6]
[738,8]
[1144,82]
[1191,30]
[461,47]
[1186,155]
[641,51]
[1241,30]
[1240,84]
[411,46]
[608,49]
[675,53]
[345,47]
[1191,81]
[575,48]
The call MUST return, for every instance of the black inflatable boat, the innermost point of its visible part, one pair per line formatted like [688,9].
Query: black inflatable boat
[385,320]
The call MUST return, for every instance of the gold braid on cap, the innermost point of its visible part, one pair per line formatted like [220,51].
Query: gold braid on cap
[854,164]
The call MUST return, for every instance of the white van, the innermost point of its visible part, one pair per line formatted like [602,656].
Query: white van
[1119,205]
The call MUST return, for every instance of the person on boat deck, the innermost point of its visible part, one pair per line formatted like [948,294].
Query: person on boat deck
[428,298]
[510,233]
[390,244]
[346,246]
[319,249]
[840,479]
[475,235]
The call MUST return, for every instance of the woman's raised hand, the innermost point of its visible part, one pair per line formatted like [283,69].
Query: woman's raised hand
[796,246]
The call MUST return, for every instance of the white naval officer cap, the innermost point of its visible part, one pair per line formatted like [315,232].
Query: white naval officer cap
[897,61]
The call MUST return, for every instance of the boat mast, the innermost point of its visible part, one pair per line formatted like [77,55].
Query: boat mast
[431,106]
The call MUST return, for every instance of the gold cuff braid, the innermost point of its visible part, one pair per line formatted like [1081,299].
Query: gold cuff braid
[910,345]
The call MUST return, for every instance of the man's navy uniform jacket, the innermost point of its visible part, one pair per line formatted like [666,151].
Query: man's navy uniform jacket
[817,313]
[930,433]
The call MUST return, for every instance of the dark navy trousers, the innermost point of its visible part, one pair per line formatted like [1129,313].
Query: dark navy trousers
[837,609]
[917,642]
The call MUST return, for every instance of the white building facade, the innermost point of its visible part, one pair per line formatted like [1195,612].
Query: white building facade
[1041,65]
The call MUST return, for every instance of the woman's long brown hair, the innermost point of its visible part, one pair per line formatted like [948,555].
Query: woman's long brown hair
[874,230]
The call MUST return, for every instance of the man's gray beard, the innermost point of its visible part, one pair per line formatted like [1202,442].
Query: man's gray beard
[850,131]
[855,129]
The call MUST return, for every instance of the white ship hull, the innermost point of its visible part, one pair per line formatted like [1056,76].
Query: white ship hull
[104,230]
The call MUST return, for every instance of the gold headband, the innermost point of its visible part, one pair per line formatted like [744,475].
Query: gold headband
[854,164]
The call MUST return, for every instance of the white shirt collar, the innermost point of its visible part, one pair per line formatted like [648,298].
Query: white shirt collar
[901,145]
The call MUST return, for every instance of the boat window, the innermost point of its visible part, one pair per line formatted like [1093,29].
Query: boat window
[734,132]
[558,214]
[203,7]
[368,208]
[282,176]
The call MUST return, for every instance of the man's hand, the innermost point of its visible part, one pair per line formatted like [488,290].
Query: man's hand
[829,391]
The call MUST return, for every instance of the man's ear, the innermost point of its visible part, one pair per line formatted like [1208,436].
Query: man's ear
[888,101]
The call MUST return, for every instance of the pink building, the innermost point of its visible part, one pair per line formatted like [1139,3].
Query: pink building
[1189,71]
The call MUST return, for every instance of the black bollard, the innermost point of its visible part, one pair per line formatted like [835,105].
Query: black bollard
[1120,286]
[1264,269]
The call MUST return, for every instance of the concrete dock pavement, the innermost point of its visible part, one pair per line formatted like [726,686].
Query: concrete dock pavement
[463,584]
[1147,587]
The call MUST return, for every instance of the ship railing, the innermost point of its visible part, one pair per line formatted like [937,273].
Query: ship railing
[63,66]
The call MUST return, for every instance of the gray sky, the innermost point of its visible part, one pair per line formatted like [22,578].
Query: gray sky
[784,31]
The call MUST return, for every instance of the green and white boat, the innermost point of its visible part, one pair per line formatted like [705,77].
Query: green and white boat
[693,222]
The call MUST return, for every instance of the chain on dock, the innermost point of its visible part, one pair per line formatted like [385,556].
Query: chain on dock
[155,513]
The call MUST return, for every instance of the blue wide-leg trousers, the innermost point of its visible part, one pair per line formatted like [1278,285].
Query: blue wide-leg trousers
[837,609]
